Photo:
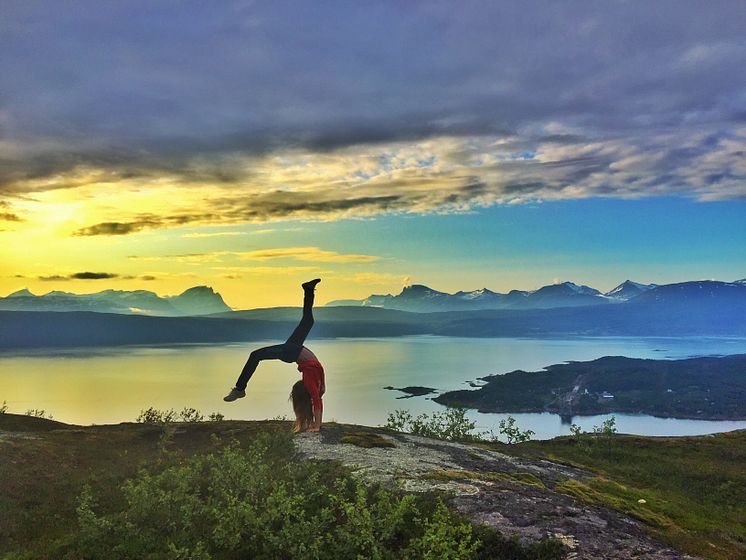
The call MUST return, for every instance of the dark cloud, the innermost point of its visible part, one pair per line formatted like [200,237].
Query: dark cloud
[141,90]
[147,277]
[7,216]
[92,275]
[79,276]
[116,228]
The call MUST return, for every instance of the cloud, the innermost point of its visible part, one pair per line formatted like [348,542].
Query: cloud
[192,258]
[214,234]
[79,276]
[311,254]
[423,110]
[92,275]
[446,175]
[147,277]
[252,270]
[307,254]
[8,216]
[115,228]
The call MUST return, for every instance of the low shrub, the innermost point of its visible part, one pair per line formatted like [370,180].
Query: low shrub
[38,413]
[509,428]
[262,503]
[155,416]
[451,424]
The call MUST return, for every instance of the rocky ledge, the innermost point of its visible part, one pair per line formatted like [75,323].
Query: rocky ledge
[517,496]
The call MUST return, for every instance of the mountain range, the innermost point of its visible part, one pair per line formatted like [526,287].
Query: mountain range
[694,309]
[199,300]
[203,300]
[420,298]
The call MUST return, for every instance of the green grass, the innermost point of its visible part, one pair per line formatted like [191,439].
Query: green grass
[694,487]
[366,439]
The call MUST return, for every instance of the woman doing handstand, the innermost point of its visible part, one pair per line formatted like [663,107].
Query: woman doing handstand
[306,394]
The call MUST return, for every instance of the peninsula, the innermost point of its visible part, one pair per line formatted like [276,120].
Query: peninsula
[708,388]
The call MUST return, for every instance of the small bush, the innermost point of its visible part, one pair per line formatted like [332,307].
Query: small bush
[451,424]
[191,415]
[38,413]
[587,441]
[607,428]
[4,407]
[155,416]
[510,430]
[188,414]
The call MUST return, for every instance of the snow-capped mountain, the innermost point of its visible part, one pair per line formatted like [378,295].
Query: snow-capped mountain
[424,299]
[566,294]
[199,300]
[709,292]
[628,290]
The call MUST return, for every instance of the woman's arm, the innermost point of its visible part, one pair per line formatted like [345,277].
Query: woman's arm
[315,391]
[316,420]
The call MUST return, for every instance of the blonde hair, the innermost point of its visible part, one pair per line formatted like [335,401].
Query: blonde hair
[302,407]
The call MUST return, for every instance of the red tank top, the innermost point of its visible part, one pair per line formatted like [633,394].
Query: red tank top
[313,379]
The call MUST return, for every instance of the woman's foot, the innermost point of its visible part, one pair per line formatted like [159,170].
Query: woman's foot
[234,394]
[311,284]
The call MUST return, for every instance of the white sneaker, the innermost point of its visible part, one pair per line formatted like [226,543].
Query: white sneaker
[234,394]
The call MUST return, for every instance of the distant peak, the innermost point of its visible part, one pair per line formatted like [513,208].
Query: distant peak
[197,290]
[22,293]
[628,288]
[417,289]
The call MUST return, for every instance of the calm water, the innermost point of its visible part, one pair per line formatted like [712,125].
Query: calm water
[112,385]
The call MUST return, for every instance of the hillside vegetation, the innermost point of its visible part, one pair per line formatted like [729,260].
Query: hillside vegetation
[696,486]
[212,490]
[229,489]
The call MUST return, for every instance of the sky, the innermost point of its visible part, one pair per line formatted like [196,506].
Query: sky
[249,146]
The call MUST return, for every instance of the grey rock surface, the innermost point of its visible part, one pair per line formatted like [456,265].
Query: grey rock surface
[484,485]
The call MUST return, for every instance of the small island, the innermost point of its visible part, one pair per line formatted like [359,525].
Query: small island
[411,391]
[708,388]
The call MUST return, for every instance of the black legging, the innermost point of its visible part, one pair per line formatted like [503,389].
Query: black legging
[287,352]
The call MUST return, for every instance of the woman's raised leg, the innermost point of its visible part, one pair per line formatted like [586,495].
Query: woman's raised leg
[287,352]
[304,327]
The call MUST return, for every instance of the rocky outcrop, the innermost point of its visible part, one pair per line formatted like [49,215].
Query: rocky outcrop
[517,496]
